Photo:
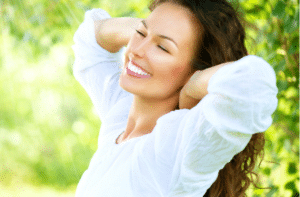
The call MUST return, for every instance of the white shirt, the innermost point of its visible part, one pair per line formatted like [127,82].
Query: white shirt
[185,151]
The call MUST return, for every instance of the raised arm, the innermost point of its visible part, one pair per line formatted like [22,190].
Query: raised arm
[114,33]
[98,57]
[196,87]
[237,101]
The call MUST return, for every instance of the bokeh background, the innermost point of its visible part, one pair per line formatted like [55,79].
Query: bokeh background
[48,126]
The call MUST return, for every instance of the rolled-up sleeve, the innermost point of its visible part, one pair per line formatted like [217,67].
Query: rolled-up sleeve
[96,69]
[241,99]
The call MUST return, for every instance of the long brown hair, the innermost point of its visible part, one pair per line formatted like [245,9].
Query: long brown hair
[222,40]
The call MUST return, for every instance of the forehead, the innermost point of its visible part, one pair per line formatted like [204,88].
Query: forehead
[174,21]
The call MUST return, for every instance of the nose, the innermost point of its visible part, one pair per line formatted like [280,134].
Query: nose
[141,47]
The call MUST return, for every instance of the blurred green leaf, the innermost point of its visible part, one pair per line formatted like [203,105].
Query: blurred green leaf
[282,85]
[293,48]
[267,171]
[280,67]
[272,192]
[292,168]
[290,185]
[291,24]
[279,10]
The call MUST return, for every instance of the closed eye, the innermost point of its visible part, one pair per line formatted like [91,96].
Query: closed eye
[159,46]
[162,48]
[140,33]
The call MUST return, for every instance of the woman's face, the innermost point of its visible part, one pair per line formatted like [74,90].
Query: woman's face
[158,56]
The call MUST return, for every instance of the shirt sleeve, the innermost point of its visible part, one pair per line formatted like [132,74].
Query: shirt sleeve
[241,99]
[96,69]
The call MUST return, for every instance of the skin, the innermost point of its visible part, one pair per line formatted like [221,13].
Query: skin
[168,61]
[169,70]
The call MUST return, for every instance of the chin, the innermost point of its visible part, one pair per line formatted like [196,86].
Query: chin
[125,83]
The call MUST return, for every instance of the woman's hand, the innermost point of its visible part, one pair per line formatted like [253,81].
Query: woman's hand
[196,87]
[187,99]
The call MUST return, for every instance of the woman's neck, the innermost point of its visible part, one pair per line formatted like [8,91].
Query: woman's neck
[143,115]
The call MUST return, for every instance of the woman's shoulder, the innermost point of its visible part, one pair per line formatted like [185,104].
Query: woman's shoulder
[172,116]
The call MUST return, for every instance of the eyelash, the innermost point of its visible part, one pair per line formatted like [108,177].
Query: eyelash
[159,46]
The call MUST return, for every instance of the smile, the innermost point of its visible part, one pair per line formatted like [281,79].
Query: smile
[136,71]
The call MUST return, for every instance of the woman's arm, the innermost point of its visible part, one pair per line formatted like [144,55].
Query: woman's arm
[114,33]
[196,88]
[237,101]
[95,67]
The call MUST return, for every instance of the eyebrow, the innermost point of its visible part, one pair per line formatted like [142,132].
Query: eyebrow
[159,35]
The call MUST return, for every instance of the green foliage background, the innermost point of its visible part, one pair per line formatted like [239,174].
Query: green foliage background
[48,127]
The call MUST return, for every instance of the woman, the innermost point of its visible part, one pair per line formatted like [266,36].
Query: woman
[185,114]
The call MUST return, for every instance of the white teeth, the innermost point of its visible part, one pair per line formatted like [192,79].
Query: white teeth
[135,69]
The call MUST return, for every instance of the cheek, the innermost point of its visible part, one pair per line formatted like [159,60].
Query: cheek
[174,76]
[179,74]
[175,73]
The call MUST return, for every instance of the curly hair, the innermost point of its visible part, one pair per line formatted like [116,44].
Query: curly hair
[222,40]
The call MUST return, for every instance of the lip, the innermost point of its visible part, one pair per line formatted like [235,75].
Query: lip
[134,63]
[136,75]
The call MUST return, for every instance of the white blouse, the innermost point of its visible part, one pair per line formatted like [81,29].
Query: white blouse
[185,151]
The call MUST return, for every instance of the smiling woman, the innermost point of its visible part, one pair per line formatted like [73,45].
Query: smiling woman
[184,116]
[159,49]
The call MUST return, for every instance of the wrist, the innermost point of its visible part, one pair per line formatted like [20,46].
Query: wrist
[197,86]
[114,33]
[200,80]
